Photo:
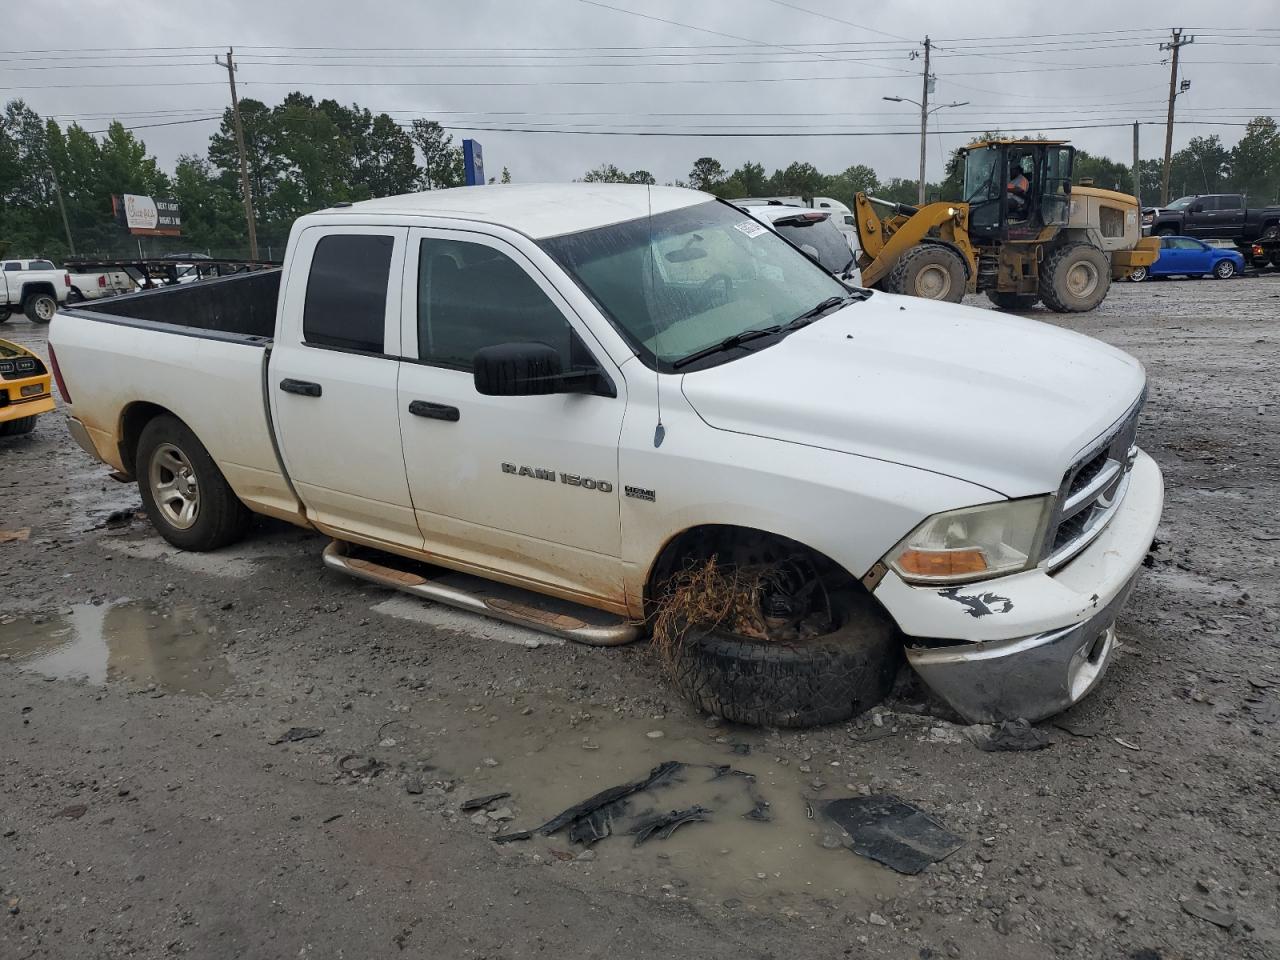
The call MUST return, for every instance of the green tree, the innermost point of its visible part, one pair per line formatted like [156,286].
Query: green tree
[844,186]
[442,163]
[1255,162]
[506,176]
[706,174]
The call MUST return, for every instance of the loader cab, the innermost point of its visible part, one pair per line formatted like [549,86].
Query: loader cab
[990,167]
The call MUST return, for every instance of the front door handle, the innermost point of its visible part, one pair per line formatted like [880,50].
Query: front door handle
[303,388]
[434,411]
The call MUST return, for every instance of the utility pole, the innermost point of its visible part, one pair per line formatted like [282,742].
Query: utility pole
[66,224]
[1137,168]
[924,115]
[230,64]
[1175,44]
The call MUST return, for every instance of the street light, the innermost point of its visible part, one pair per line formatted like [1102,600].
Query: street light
[925,111]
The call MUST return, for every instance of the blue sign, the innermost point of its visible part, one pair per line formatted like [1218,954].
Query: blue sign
[473,161]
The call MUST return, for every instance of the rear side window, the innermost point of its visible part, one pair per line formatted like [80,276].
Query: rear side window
[472,296]
[1230,202]
[818,238]
[41,265]
[346,301]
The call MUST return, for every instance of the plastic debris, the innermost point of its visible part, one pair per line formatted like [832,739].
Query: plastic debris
[297,733]
[1011,735]
[665,824]
[891,831]
[478,803]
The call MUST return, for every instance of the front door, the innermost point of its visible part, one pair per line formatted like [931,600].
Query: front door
[332,381]
[525,487]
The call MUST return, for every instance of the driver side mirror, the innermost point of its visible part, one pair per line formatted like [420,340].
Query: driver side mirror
[533,369]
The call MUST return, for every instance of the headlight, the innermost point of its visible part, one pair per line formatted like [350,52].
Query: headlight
[972,544]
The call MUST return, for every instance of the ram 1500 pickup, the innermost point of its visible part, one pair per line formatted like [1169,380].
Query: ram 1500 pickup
[566,393]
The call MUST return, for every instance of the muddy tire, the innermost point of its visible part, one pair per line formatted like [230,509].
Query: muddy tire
[825,680]
[1012,301]
[184,493]
[930,271]
[4,314]
[40,307]
[1075,278]
[12,428]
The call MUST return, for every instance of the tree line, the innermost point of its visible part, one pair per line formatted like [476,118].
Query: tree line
[1205,165]
[305,154]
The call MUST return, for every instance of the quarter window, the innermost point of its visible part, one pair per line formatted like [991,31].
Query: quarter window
[471,296]
[346,301]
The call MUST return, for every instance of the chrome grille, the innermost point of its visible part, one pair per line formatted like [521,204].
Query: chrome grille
[1092,490]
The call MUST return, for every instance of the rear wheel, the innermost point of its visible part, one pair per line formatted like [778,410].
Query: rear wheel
[930,271]
[1075,278]
[1012,301]
[4,313]
[184,493]
[40,307]
[1271,232]
[12,428]
[1138,274]
[1224,269]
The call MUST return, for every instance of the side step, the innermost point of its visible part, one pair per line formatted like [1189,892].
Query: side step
[524,608]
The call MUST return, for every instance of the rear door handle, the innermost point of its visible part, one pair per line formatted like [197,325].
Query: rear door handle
[303,388]
[434,411]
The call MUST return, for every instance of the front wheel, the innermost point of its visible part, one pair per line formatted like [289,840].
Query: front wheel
[1224,269]
[1138,274]
[184,493]
[13,428]
[1075,278]
[40,308]
[930,271]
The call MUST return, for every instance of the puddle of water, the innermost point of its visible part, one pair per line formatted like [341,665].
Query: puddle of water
[176,649]
[549,764]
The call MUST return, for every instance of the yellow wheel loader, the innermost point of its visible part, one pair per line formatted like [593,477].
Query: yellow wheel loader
[1022,234]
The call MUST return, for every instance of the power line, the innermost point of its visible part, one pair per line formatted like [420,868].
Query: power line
[847,23]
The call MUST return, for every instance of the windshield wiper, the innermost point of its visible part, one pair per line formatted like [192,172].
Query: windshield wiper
[826,306]
[728,343]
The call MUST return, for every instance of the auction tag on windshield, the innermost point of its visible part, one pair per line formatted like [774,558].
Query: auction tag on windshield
[750,228]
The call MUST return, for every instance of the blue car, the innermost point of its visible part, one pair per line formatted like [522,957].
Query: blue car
[1188,257]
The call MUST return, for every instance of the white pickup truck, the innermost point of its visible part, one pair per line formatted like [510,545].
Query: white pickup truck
[35,287]
[545,402]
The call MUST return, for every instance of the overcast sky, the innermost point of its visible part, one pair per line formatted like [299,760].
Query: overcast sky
[504,63]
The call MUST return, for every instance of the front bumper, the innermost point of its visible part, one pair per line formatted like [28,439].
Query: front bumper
[1034,643]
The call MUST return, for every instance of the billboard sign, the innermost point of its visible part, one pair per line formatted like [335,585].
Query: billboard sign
[473,162]
[147,216]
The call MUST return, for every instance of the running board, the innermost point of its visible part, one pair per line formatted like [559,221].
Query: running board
[523,608]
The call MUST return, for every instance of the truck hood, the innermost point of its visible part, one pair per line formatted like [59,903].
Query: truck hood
[986,397]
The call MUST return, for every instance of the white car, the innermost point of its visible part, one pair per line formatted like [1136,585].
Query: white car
[560,397]
[814,232]
[35,287]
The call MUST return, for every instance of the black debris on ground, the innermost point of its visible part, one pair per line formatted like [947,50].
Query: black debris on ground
[891,831]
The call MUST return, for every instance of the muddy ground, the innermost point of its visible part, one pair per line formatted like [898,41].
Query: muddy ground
[147,812]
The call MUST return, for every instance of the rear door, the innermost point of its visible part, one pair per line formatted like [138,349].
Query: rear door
[332,382]
[524,486]
[1229,218]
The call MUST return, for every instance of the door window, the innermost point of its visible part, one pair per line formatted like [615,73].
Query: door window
[1185,243]
[346,301]
[472,296]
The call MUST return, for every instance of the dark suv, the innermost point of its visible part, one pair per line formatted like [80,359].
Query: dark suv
[1213,216]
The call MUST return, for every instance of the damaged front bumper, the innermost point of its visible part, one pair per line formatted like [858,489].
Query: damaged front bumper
[1034,643]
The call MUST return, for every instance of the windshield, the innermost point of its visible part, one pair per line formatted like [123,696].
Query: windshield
[820,238]
[1181,203]
[683,280]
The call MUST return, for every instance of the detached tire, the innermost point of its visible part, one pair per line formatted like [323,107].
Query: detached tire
[40,308]
[184,493]
[13,428]
[930,271]
[1075,278]
[1012,301]
[825,680]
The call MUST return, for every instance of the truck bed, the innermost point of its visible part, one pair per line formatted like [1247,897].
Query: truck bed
[242,306]
[200,352]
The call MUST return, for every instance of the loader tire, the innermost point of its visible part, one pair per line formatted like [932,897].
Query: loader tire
[771,684]
[1075,278]
[184,493]
[1012,301]
[931,271]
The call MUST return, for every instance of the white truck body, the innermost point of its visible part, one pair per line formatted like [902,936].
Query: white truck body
[845,434]
[35,287]
[99,284]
